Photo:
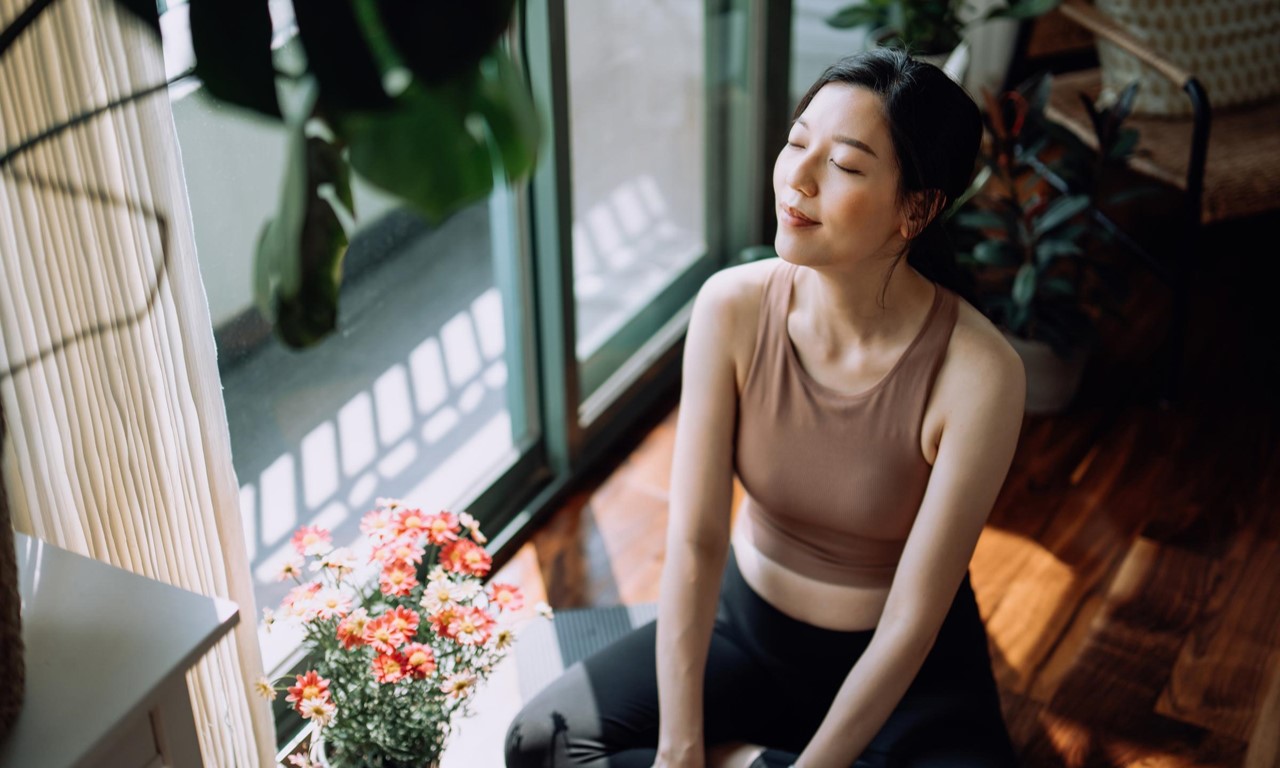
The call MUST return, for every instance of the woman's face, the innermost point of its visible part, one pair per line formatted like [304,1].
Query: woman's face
[835,183]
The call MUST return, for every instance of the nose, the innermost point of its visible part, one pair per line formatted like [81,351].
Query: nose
[798,170]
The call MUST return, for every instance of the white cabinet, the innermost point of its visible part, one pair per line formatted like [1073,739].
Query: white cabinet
[107,653]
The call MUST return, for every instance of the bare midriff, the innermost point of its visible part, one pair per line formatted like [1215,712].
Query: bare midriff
[822,604]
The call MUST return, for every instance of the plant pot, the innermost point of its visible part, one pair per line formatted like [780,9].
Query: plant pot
[321,758]
[1052,380]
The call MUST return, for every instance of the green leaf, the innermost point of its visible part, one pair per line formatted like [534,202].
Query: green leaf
[1023,9]
[1059,212]
[861,15]
[442,40]
[1048,250]
[232,43]
[503,99]
[433,149]
[146,11]
[1058,286]
[1024,285]
[421,150]
[980,219]
[995,253]
[339,56]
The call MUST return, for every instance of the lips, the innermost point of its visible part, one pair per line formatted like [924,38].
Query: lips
[794,217]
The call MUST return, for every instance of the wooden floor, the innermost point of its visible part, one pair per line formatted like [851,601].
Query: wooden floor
[1130,571]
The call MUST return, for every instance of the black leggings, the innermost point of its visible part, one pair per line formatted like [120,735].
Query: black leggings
[769,681]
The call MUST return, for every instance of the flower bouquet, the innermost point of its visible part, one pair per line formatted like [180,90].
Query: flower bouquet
[399,631]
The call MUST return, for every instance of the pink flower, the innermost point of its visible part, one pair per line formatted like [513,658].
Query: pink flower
[419,659]
[507,597]
[406,548]
[473,526]
[330,602]
[309,686]
[458,684]
[310,540]
[442,528]
[398,578]
[292,569]
[319,710]
[471,626]
[388,668]
[378,526]
[463,556]
[300,602]
[411,522]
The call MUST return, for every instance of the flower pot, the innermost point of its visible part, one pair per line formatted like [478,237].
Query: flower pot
[1052,380]
[320,757]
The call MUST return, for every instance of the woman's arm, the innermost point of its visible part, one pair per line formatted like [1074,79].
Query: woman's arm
[698,526]
[984,394]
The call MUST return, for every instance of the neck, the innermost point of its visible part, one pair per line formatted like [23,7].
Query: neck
[870,301]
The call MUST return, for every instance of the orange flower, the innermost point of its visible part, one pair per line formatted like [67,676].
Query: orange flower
[507,597]
[442,619]
[388,668]
[310,686]
[351,629]
[403,620]
[398,578]
[382,635]
[420,660]
[463,556]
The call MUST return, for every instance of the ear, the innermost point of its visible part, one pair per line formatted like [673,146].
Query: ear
[921,208]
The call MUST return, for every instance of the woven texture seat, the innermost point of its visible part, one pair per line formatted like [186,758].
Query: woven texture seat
[1242,168]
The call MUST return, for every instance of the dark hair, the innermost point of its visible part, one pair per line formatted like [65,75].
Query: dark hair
[936,129]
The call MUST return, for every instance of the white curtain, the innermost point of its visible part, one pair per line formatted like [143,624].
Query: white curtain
[118,446]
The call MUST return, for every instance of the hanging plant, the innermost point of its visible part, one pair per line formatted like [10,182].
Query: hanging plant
[419,100]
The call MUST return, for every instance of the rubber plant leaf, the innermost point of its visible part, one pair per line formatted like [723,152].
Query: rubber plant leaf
[980,219]
[232,44]
[300,254]
[340,56]
[1059,212]
[146,11]
[995,253]
[1024,285]
[440,41]
[861,15]
[1048,250]
[1023,9]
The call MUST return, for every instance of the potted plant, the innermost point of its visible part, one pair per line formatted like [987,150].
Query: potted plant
[1028,232]
[398,631]
[930,28]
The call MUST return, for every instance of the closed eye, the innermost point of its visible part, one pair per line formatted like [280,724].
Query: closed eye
[846,170]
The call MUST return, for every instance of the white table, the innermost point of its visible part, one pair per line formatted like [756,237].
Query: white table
[106,658]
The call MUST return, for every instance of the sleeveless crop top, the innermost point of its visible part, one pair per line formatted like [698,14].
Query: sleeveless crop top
[833,481]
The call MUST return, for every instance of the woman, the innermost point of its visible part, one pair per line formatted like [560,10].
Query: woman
[871,415]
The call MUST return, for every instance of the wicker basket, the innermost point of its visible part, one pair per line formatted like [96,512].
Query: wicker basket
[12,667]
[1231,46]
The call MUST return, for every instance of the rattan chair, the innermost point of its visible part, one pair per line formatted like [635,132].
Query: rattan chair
[1224,164]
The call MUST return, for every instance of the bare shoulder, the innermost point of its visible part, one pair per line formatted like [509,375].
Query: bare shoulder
[980,365]
[728,308]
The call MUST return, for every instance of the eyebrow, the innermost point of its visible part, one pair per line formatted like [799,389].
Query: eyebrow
[849,140]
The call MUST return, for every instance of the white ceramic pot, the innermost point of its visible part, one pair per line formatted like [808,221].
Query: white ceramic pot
[1052,380]
[321,758]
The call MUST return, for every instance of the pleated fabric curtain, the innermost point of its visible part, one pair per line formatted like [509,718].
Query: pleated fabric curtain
[118,446]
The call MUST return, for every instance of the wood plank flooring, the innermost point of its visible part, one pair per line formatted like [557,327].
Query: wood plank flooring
[1130,570]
